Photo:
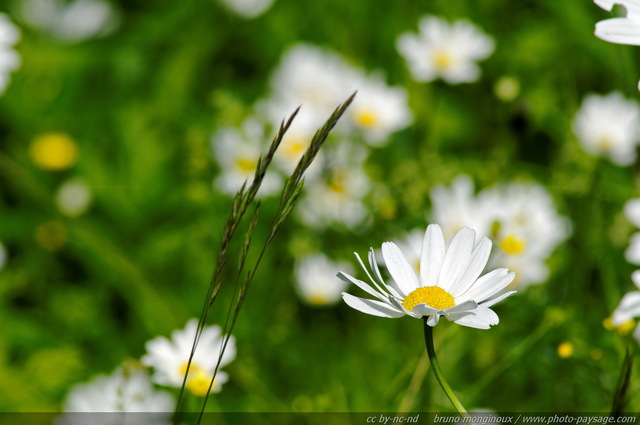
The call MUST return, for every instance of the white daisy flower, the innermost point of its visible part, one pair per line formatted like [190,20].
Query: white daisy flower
[128,389]
[609,126]
[169,358]
[629,306]
[237,152]
[336,196]
[73,198]
[632,253]
[73,21]
[443,50]
[294,144]
[316,282]
[311,77]
[9,58]
[526,221]
[449,282]
[632,211]
[248,9]
[457,206]
[379,110]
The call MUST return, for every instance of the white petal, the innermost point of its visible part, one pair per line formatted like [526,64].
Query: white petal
[433,320]
[373,307]
[497,298]
[636,333]
[392,287]
[480,318]
[399,268]
[465,306]
[488,285]
[424,310]
[433,252]
[628,309]
[478,261]
[457,258]
[635,276]
[362,285]
[619,30]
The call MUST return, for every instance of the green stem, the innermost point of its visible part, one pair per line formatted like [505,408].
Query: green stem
[435,366]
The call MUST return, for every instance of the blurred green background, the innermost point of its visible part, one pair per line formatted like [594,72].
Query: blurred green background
[79,295]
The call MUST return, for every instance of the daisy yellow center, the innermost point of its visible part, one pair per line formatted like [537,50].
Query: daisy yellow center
[317,300]
[245,164]
[366,119]
[337,184]
[604,143]
[198,381]
[622,329]
[512,245]
[294,147]
[442,60]
[433,296]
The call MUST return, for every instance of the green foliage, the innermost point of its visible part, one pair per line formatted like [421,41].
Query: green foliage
[142,104]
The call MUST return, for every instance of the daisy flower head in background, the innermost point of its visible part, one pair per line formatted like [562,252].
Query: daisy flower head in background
[237,151]
[9,58]
[73,198]
[169,358]
[526,229]
[316,282]
[629,308]
[632,212]
[379,110]
[609,126]
[336,196]
[73,21]
[127,389]
[311,77]
[448,284]
[444,50]
[457,206]
[247,9]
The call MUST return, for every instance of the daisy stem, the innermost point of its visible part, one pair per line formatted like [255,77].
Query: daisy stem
[435,366]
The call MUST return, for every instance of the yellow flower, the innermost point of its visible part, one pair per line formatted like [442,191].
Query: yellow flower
[565,350]
[54,151]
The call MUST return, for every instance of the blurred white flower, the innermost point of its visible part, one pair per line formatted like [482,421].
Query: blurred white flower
[632,211]
[632,254]
[310,77]
[521,219]
[336,196]
[448,284]
[629,307]
[169,358]
[127,389]
[526,220]
[3,256]
[457,206]
[294,144]
[316,280]
[73,21]
[9,58]
[248,9]
[73,198]
[237,152]
[610,126]
[378,110]
[443,50]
